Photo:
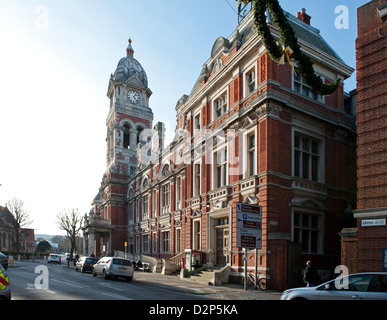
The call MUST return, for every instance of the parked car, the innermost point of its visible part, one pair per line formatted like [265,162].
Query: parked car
[85,264]
[358,286]
[5,291]
[4,260]
[53,258]
[114,267]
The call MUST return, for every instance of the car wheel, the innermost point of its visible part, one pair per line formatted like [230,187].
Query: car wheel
[299,299]
[104,275]
[129,279]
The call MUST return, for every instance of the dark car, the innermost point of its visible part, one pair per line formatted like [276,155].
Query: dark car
[4,260]
[85,264]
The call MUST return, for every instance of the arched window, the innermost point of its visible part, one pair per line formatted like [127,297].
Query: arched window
[126,136]
[165,170]
[139,130]
[145,183]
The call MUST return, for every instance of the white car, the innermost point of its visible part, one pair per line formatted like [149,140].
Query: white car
[358,286]
[114,267]
[53,258]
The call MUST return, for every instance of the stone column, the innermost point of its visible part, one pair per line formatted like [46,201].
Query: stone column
[85,244]
[133,139]
[109,244]
[91,248]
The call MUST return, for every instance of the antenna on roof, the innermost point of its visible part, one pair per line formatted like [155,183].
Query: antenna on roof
[231,6]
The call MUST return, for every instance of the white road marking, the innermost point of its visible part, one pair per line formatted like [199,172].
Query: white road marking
[68,283]
[117,296]
[110,286]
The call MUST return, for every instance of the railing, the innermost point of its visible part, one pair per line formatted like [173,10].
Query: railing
[173,264]
[98,220]
[165,209]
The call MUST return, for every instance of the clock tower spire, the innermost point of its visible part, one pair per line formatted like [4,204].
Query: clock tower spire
[129,49]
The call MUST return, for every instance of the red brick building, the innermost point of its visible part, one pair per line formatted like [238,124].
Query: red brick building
[250,131]
[363,246]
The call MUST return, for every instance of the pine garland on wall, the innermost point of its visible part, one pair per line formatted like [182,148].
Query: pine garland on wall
[289,40]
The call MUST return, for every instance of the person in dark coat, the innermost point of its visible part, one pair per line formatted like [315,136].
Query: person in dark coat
[310,274]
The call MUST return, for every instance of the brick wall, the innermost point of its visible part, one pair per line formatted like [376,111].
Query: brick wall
[371,55]
[361,247]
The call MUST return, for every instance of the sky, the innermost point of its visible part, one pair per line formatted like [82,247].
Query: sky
[56,58]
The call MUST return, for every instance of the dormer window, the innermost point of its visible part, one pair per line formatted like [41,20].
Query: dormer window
[300,86]
[218,65]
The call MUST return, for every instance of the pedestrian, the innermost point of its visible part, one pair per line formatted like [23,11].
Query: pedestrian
[310,274]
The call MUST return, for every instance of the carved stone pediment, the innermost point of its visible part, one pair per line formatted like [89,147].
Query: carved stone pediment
[196,214]
[308,203]
[251,199]
[220,204]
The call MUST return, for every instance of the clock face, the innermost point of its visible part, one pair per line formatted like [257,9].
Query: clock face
[133,96]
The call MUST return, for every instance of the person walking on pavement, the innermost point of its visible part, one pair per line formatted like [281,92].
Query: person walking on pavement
[310,274]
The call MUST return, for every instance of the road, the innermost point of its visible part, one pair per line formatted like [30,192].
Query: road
[34,281]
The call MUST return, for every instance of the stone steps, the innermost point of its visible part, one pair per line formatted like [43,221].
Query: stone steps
[204,276]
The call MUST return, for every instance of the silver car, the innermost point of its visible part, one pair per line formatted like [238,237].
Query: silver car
[114,267]
[358,286]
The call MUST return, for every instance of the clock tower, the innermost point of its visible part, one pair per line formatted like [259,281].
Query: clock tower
[128,123]
[129,113]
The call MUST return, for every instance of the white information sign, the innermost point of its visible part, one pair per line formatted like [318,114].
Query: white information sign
[373,222]
[249,226]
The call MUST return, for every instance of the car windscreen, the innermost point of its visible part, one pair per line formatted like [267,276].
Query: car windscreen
[91,260]
[122,262]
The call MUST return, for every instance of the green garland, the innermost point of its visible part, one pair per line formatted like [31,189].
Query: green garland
[288,39]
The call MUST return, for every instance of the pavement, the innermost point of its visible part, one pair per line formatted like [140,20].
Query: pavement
[228,291]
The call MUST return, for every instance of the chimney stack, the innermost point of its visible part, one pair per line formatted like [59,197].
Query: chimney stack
[303,16]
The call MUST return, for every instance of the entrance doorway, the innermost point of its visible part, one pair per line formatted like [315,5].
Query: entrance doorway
[222,245]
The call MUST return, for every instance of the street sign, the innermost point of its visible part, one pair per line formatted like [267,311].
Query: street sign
[249,226]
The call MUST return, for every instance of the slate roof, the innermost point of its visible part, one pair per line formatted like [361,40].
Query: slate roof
[129,66]
[302,31]
[6,218]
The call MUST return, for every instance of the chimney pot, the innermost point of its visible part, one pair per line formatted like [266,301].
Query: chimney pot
[303,16]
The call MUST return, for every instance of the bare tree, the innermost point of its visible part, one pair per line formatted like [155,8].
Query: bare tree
[70,220]
[22,219]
